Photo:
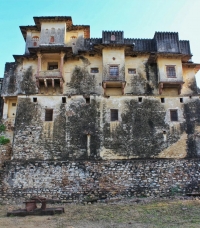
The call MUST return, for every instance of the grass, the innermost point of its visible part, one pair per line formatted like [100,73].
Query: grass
[168,213]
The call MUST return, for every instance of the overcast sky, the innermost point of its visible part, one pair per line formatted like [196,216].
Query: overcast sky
[137,18]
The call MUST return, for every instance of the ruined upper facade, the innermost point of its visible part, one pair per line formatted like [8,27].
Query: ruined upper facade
[70,96]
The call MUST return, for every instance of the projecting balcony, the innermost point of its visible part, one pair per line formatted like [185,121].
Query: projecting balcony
[118,82]
[49,74]
[49,78]
[176,84]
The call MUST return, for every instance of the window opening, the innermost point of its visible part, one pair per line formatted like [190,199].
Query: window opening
[34,99]
[87,99]
[131,70]
[114,114]
[181,100]
[140,99]
[63,100]
[94,70]
[171,72]
[13,104]
[52,66]
[174,115]
[48,114]
[52,39]
[114,71]
[162,100]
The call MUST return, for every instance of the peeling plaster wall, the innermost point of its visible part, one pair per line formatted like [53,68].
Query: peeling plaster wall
[189,86]
[144,128]
[55,29]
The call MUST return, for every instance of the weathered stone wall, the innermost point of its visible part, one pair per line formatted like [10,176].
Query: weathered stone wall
[143,130]
[80,179]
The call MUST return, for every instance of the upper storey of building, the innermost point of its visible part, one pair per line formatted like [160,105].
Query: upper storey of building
[58,32]
[57,50]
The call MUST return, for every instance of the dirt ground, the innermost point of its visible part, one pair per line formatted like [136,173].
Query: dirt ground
[125,213]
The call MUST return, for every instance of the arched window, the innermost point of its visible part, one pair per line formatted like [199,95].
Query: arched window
[53,31]
[35,40]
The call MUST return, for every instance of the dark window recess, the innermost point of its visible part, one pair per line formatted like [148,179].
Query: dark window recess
[34,99]
[181,100]
[164,132]
[52,66]
[114,114]
[48,114]
[52,39]
[131,70]
[174,115]
[87,99]
[63,100]
[94,70]
[162,100]
[13,104]
[171,71]
[114,71]
[139,99]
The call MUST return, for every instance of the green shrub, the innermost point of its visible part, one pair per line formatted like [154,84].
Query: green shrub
[4,140]
[2,127]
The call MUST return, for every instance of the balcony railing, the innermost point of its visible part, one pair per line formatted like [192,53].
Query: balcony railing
[49,74]
[114,78]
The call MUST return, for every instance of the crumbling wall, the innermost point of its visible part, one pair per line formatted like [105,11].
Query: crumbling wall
[82,82]
[18,80]
[77,180]
[83,119]
[139,134]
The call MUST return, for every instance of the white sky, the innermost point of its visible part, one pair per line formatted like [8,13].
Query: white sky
[137,18]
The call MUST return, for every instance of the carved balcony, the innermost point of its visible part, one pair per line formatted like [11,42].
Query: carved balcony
[117,81]
[49,78]
[49,74]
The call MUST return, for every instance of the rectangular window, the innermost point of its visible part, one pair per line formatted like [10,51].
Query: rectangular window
[13,104]
[131,70]
[181,100]
[34,99]
[87,100]
[114,114]
[162,100]
[94,70]
[174,115]
[48,114]
[52,66]
[139,99]
[114,71]
[171,71]
[63,100]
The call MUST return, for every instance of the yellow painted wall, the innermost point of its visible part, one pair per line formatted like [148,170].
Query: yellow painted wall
[139,64]
[189,79]
[12,106]
[76,33]
[117,53]
[163,62]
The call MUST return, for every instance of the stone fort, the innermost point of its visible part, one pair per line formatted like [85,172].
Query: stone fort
[99,117]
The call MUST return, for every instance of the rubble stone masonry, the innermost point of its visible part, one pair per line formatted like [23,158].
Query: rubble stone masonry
[76,180]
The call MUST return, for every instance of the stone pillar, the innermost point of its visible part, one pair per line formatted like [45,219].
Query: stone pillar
[88,144]
[62,55]
[45,82]
[39,55]
[5,109]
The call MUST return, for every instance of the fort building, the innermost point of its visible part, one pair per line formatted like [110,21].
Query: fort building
[72,99]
